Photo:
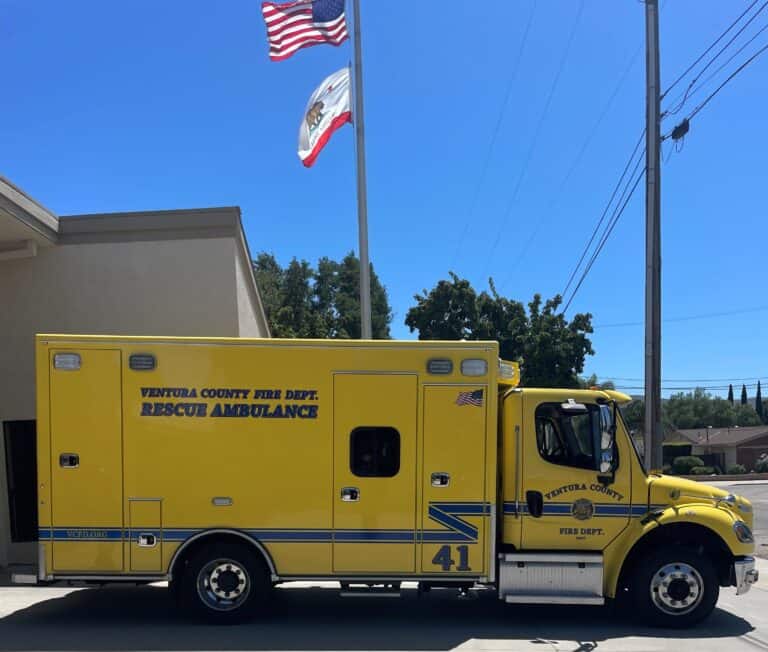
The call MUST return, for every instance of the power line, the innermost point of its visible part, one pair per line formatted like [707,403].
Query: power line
[494,137]
[710,315]
[714,388]
[537,132]
[558,194]
[682,102]
[695,380]
[704,54]
[602,217]
[731,58]
[727,80]
[618,212]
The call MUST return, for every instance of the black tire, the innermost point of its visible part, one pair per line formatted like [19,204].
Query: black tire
[675,587]
[225,584]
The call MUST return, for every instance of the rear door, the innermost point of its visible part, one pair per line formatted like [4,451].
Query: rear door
[453,480]
[374,490]
[86,449]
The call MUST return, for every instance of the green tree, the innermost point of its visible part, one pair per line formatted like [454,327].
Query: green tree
[551,349]
[325,303]
[730,394]
[447,312]
[743,394]
[759,403]
[592,381]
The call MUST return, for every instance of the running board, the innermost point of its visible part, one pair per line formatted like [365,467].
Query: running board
[367,591]
[551,578]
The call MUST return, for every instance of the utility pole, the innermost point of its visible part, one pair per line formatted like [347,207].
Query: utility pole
[653,427]
[362,189]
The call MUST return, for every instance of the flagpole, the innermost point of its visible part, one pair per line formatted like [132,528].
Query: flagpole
[362,189]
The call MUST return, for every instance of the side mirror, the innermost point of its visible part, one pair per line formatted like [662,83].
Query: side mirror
[607,473]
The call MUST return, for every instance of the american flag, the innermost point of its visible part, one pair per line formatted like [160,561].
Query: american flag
[470,398]
[295,25]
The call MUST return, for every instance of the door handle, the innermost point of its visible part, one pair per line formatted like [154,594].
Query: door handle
[441,479]
[350,494]
[535,501]
[69,460]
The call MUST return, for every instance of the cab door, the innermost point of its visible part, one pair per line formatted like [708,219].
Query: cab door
[565,502]
[374,488]
[86,473]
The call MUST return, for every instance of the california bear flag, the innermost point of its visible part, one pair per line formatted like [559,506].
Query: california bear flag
[327,110]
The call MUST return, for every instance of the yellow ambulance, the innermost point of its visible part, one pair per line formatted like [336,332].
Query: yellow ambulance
[228,466]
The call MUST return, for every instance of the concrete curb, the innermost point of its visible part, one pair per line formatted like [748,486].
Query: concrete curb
[745,477]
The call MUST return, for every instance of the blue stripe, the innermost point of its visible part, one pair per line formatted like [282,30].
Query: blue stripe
[452,522]
[601,509]
[445,514]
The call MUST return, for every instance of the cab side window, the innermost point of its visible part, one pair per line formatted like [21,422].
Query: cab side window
[374,452]
[568,439]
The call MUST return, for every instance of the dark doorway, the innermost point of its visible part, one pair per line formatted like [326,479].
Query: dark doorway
[21,467]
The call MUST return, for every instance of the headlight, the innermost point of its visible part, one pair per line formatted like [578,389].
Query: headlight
[742,532]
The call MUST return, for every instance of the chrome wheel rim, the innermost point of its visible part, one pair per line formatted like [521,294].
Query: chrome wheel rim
[223,584]
[677,588]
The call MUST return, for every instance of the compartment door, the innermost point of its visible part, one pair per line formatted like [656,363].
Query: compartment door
[146,537]
[86,464]
[374,490]
[455,512]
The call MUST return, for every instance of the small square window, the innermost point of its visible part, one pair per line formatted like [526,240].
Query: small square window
[374,452]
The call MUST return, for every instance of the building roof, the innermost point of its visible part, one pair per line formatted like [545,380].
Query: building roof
[24,222]
[25,225]
[723,437]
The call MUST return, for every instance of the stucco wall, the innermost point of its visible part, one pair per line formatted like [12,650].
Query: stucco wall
[249,313]
[170,287]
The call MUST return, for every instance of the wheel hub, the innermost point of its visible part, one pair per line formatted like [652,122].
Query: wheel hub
[223,584]
[677,588]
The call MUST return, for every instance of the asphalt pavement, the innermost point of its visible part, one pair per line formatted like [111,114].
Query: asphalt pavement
[316,618]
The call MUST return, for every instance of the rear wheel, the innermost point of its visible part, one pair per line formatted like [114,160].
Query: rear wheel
[225,583]
[674,588]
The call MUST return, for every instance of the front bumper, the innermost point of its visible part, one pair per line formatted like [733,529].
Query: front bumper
[745,574]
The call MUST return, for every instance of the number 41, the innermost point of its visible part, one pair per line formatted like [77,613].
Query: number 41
[445,561]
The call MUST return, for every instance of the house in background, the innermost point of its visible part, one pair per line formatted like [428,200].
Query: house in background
[723,447]
[180,272]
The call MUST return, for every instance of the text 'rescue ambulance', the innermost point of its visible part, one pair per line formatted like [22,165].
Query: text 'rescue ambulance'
[227,466]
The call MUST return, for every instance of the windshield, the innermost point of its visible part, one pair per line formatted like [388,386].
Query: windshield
[635,448]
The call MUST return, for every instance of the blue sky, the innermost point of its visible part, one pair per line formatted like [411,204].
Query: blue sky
[115,106]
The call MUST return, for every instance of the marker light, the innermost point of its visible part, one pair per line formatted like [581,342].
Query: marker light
[439,366]
[507,371]
[474,367]
[66,361]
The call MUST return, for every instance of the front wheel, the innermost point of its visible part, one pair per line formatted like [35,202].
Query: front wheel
[225,583]
[674,588]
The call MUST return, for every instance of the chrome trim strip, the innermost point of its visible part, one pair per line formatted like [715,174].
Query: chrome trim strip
[111,578]
[492,554]
[376,578]
[41,571]
[517,472]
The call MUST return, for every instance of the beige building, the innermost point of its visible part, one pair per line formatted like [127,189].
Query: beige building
[181,272]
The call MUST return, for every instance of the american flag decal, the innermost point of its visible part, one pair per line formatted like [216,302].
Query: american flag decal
[470,398]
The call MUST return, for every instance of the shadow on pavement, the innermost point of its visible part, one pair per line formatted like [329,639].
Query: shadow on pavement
[144,618]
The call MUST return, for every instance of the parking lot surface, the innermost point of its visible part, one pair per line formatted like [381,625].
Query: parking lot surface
[144,618]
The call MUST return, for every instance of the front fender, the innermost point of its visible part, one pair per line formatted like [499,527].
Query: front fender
[717,520]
